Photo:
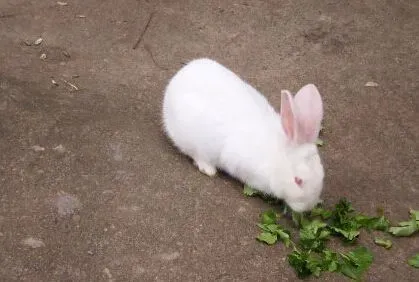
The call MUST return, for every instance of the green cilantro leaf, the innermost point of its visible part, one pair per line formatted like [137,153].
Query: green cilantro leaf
[319,142]
[383,243]
[298,260]
[348,234]
[346,224]
[356,262]
[284,236]
[374,223]
[414,214]
[306,263]
[311,257]
[342,214]
[268,238]
[342,221]
[330,261]
[313,235]
[319,211]
[407,228]
[414,261]
[249,191]
[299,219]
[404,231]
[269,217]
[272,232]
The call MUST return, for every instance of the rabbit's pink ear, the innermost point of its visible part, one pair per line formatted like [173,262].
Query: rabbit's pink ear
[309,116]
[288,116]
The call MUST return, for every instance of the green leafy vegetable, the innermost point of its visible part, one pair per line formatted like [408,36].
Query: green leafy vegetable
[404,231]
[323,213]
[355,263]
[268,238]
[313,236]
[348,234]
[298,260]
[414,261]
[330,261]
[319,142]
[407,228]
[249,191]
[284,236]
[383,243]
[272,232]
[414,214]
[343,221]
[299,219]
[306,263]
[269,217]
[376,223]
[311,256]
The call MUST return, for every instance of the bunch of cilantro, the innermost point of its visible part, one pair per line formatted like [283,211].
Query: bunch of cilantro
[310,255]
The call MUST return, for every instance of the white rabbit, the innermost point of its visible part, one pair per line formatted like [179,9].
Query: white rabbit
[222,122]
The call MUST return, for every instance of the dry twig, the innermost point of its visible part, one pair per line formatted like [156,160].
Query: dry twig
[144,31]
[147,48]
[71,85]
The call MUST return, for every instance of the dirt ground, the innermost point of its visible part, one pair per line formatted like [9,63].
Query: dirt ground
[91,190]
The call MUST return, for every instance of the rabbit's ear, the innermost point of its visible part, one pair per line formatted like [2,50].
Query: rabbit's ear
[309,113]
[288,116]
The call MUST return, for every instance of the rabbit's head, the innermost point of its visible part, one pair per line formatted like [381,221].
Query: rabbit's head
[301,179]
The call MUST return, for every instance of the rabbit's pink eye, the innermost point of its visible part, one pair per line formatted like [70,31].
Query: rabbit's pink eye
[298,181]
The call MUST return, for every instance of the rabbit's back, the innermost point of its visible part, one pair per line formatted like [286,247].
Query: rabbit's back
[209,111]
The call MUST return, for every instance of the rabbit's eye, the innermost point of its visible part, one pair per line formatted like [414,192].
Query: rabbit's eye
[298,181]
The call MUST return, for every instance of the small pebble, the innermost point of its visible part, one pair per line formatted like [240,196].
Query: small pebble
[90,253]
[43,56]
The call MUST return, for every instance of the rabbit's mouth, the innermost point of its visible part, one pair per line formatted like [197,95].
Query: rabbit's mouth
[304,205]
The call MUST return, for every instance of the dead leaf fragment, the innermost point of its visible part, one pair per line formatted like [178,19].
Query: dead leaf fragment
[107,272]
[73,86]
[67,204]
[38,41]
[38,148]
[60,149]
[33,242]
[66,54]
[54,82]
[371,84]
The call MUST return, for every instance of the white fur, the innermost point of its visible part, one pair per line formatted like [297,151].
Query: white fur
[222,122]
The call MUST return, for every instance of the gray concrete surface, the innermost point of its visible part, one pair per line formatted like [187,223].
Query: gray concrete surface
[103,196]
